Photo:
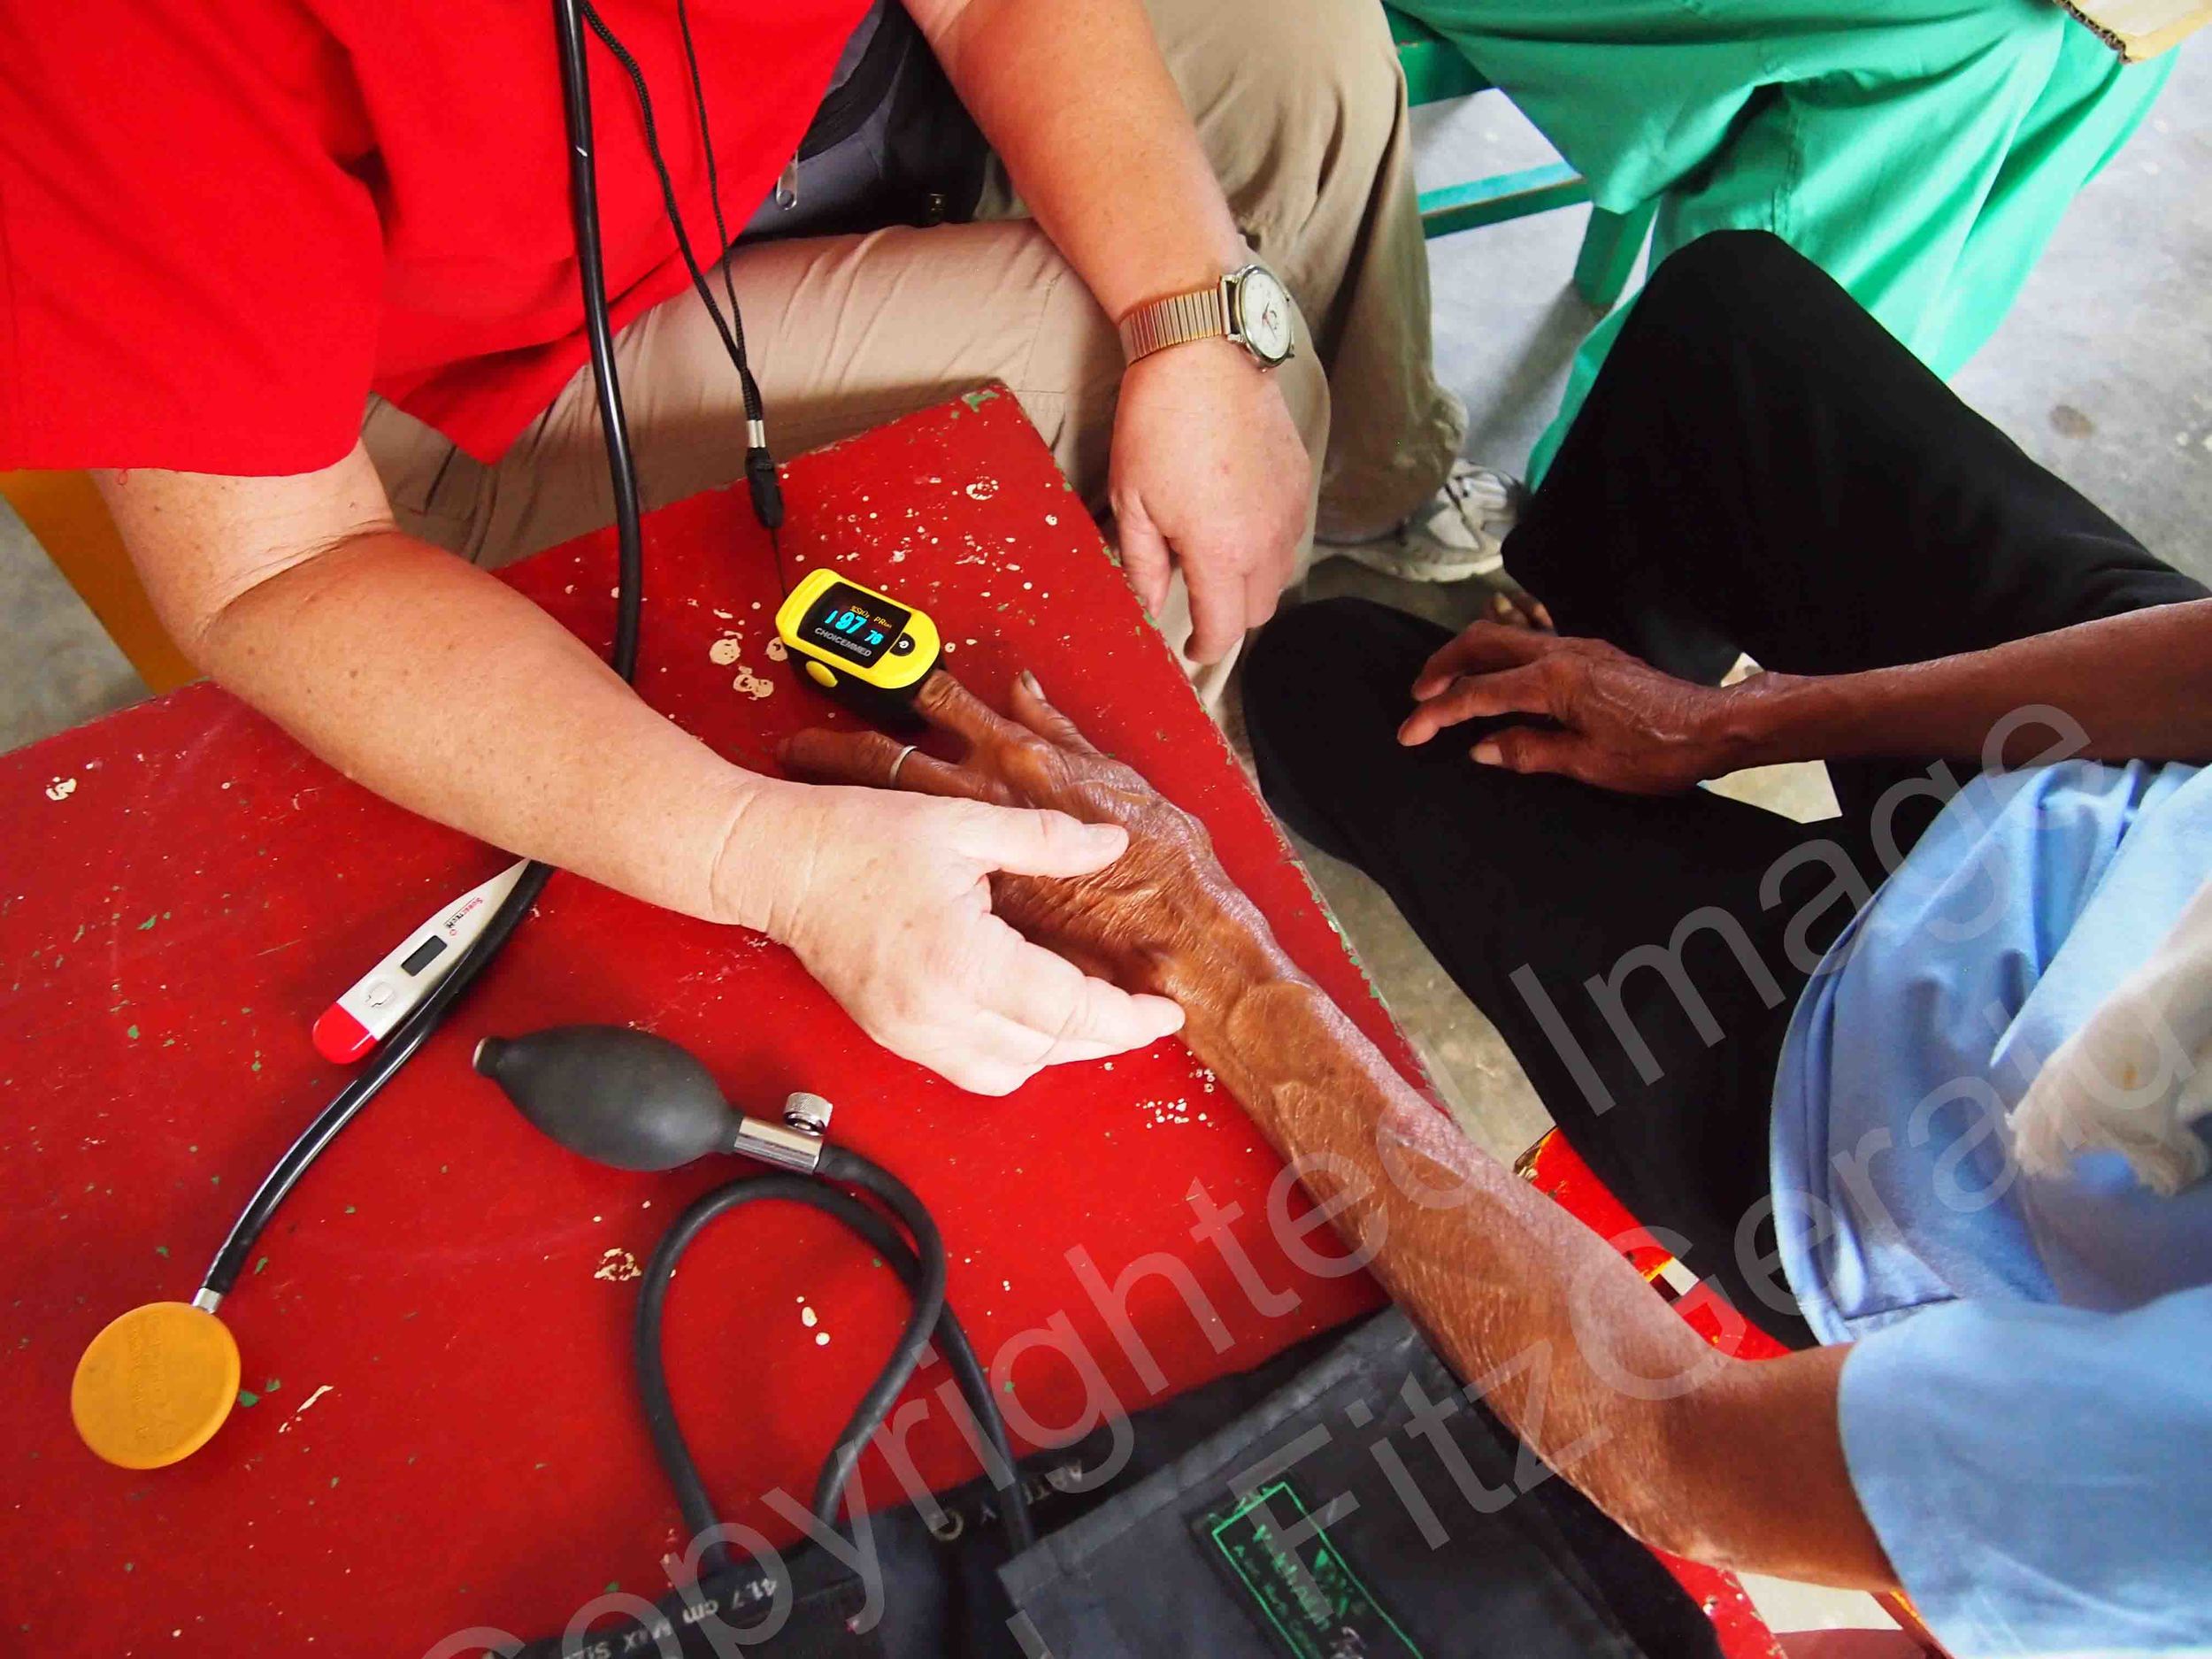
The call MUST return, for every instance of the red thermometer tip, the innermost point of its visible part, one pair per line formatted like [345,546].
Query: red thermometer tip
[339,1038]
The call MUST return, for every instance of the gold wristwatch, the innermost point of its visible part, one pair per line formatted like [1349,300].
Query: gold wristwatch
[1248,307]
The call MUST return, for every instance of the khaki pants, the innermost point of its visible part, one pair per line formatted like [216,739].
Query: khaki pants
[1302,112]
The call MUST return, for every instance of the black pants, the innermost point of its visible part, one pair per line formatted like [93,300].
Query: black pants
[1759,468]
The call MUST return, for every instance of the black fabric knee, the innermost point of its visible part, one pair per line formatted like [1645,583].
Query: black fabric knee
[1322,680]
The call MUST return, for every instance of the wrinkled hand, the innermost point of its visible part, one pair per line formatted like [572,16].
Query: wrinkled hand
[1163,917]
[1208,473]
[1621,724]
[888,900]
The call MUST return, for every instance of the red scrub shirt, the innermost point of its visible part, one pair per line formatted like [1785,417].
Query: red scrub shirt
[223,222]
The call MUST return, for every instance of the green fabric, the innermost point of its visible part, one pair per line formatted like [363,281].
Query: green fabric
[1434,71]
[1921,151]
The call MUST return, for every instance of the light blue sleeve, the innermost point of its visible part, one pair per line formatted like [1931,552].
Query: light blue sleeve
[2041,1475]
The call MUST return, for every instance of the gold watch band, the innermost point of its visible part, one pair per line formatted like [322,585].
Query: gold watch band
[1158,323]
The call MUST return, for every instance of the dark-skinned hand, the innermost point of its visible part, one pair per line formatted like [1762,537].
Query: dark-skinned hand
[1617,721]
[1162,917]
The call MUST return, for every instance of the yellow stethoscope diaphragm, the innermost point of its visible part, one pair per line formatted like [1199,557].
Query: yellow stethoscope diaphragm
[155,1384]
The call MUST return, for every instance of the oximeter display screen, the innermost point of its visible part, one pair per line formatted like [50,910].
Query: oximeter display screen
[856,625]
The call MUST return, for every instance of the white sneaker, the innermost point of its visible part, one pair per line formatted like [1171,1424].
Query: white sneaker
[1460,532]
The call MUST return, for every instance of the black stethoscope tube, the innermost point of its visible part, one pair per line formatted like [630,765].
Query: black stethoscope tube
[920,1265]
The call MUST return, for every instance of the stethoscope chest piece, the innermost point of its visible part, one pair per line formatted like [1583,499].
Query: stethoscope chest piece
[155,1384]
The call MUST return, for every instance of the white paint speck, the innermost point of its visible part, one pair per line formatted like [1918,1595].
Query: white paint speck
[821,1338]
[724,651]
[61,788]
[982,490]
[775,652]
[808,1318]
[617,1266]
[1161,1114]
[748,684]
[286,1425]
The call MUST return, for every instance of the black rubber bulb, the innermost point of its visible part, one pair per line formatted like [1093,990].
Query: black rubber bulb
[620,1096]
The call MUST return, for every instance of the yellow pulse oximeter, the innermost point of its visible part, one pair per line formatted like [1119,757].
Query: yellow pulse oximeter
[861,647]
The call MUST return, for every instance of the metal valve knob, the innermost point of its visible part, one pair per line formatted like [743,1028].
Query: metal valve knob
[809,1114]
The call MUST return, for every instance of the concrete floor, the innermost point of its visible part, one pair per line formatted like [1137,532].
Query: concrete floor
[61,669]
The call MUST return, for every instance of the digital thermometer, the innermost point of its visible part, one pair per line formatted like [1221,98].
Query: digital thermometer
[361,1018]
[863,647]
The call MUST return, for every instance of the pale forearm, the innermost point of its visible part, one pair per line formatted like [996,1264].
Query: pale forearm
[1077,101]
[438,688]
[2132,686]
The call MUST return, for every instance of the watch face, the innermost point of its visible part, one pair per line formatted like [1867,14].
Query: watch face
[1263,315]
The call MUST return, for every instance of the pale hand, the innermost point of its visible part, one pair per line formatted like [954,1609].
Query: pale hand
[886,899]
[1620,723]
[1208,473]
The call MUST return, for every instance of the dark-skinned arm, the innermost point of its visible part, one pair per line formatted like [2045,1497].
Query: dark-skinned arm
[2133,687]
[1673,1440]
[1676,1440]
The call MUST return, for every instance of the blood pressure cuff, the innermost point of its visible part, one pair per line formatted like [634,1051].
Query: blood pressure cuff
[1345,1499]
[709,1619]
[1366,1507]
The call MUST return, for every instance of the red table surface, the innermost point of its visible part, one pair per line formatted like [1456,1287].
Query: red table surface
[435,1330]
